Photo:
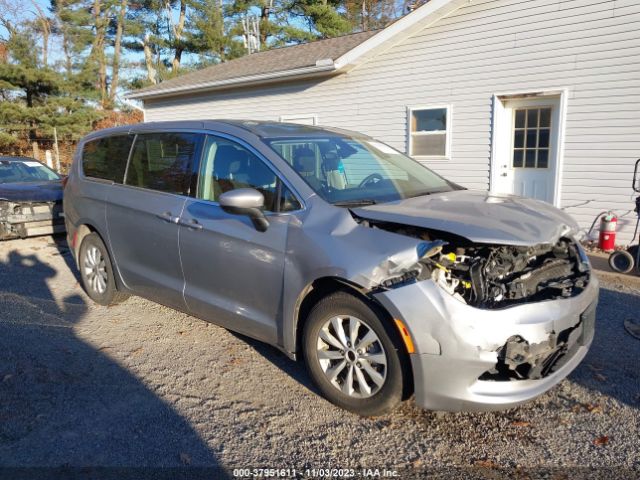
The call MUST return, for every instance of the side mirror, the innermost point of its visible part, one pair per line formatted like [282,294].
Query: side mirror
[245,201]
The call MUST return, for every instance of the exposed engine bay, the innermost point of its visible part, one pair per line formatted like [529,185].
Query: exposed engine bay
[493,276]
[26,219]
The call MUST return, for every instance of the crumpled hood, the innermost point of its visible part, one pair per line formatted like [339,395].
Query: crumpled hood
[50,191]
[478,216]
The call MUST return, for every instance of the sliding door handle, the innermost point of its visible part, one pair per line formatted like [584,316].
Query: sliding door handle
[193,224]
[167,217]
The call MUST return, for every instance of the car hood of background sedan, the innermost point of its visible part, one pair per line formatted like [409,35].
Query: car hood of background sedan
[50,191]
[478,216]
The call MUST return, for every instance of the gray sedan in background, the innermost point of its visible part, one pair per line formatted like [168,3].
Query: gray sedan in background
[385,277]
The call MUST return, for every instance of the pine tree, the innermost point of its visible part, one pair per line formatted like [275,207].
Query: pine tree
[37,98]
[150,34]
[74,26]
[210,33]
[324,17]
[373,14]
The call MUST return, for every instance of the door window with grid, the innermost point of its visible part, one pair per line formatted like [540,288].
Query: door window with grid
[531,137]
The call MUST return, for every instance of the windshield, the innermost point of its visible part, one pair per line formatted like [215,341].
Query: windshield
[345,170]
[25,171]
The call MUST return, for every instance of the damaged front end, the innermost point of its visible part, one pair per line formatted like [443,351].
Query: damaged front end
[21,219]
[520,360]
[490,276]
[493,325]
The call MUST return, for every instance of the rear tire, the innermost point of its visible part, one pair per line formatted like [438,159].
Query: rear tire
[621,261]
[355,358]
[96,272]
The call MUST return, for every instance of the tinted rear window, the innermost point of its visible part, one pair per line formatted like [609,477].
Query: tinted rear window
[163,161]
[106,158]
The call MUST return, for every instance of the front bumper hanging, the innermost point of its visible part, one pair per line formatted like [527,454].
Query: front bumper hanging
[473,359]
[28,219]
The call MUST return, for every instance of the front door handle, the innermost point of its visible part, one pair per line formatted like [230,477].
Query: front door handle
[167,217]
[193,223]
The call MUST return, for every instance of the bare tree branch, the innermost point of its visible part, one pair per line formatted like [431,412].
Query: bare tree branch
[45,25]
[115,68]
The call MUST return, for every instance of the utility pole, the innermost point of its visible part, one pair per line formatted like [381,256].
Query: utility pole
[251,35]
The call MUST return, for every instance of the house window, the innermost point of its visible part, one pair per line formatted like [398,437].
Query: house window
[429,132]
[531,137]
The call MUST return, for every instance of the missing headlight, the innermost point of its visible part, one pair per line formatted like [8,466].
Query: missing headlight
[498,276]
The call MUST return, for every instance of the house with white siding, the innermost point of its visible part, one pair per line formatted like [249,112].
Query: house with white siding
[535,97]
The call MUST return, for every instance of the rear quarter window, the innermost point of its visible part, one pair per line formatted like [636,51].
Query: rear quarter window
[106,158]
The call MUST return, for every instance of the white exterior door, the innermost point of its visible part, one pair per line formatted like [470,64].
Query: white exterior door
[526,159]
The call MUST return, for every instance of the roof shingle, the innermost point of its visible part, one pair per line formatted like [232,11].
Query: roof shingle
[269,61]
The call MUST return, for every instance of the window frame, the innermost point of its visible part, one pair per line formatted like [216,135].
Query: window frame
[280,178]
[89,178]
[447,132]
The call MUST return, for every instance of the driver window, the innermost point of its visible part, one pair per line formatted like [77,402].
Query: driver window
[227,166]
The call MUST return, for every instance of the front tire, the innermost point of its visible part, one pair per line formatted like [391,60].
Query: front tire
[354,356]
[96,272]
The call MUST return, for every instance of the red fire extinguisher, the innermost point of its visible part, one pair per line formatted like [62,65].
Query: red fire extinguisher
[607,240]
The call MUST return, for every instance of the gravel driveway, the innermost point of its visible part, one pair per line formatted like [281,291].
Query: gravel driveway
[141,385]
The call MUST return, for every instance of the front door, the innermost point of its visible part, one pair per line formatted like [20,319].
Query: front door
[143,215]
[528,148]
[234,273]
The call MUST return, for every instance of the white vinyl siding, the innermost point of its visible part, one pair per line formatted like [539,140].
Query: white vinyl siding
[591,48]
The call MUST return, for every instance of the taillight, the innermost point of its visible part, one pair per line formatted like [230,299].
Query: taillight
[65,179]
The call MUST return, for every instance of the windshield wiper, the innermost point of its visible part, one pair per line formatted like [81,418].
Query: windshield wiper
[355,203]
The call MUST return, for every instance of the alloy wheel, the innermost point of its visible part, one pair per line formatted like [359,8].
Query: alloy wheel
[95,270]
[351,356]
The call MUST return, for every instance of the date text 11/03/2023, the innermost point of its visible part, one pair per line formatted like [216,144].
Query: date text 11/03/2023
[314,473]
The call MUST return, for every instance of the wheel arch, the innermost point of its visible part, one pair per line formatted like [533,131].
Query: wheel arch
[85,228]
[324,286]
[312,294]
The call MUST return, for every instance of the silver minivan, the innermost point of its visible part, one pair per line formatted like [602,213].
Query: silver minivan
[389,280]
